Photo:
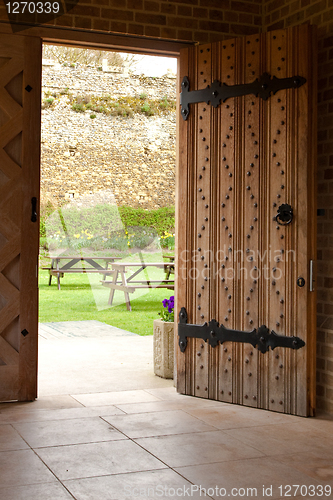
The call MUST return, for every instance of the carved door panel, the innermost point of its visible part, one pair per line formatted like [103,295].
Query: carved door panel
[20,83]
[238,260]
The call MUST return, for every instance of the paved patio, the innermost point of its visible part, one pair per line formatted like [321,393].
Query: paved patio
[118,441]
[90,356]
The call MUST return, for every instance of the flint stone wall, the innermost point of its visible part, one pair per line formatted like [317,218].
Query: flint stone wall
[131,160]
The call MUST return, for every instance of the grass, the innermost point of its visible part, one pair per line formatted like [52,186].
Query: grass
[83,298]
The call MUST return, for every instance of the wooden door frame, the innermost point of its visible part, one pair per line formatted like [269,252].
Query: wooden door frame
[121,43]
[96,40]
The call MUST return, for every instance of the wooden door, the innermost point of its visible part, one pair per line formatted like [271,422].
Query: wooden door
[20,88]
[238,163]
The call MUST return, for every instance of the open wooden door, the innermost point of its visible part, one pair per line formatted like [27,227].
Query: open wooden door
[20,88]
[239,260]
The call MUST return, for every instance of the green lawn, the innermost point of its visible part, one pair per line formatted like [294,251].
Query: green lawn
[83,298]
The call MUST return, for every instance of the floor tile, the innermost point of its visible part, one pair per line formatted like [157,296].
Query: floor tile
[167,393]
[23,467]
[171,394]
[63,414]
[64,432]
[198,448]
[157,424]
[10,439]
[42,403]
[324,424]
[49,491]
[184,403]
[114,398]
[230,417]
[98,459]
[259,477]
[281,439]
[316,465]
[144,485]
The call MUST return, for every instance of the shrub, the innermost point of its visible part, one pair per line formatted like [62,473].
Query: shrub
[79,108]
[47,103]
[107,226]
[161,219]
[167,240]
[123,106]
[146,109]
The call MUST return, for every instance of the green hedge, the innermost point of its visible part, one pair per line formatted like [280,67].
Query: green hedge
[161,219]
[106,219]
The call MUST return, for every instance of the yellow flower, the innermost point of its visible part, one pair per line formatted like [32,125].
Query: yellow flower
[77,235]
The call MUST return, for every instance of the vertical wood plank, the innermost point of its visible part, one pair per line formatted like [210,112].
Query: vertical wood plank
[250,251]
[227,206]
[182,250]
[306,210]
[203,211]
[278,194]
[30,230]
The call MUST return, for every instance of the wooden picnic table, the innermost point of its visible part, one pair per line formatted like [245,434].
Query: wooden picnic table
[129,285]
[90,265]
[171,268]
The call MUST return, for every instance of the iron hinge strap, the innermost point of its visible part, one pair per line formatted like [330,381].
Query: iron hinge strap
[219,92]
[213,333]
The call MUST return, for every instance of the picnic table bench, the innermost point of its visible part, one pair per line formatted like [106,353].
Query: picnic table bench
[89,265]
[129,285]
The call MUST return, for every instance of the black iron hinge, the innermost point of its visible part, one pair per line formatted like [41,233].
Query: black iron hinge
[219,92]
[261,338]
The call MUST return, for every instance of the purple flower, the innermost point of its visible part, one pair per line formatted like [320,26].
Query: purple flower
[170,309]
[165,302]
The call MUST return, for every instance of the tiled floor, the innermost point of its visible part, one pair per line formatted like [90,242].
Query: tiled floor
[154,443]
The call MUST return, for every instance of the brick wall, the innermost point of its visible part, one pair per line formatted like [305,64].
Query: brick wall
[282,14]
[195,20]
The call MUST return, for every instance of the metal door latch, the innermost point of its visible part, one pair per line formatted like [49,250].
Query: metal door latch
[34,209]
[214,333]
[312,275]
[284,215]
[219,92]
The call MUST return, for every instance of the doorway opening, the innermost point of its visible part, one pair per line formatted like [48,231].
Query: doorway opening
[107,196]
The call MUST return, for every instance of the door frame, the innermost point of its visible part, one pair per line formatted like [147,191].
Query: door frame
[120,43]
[97,40]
